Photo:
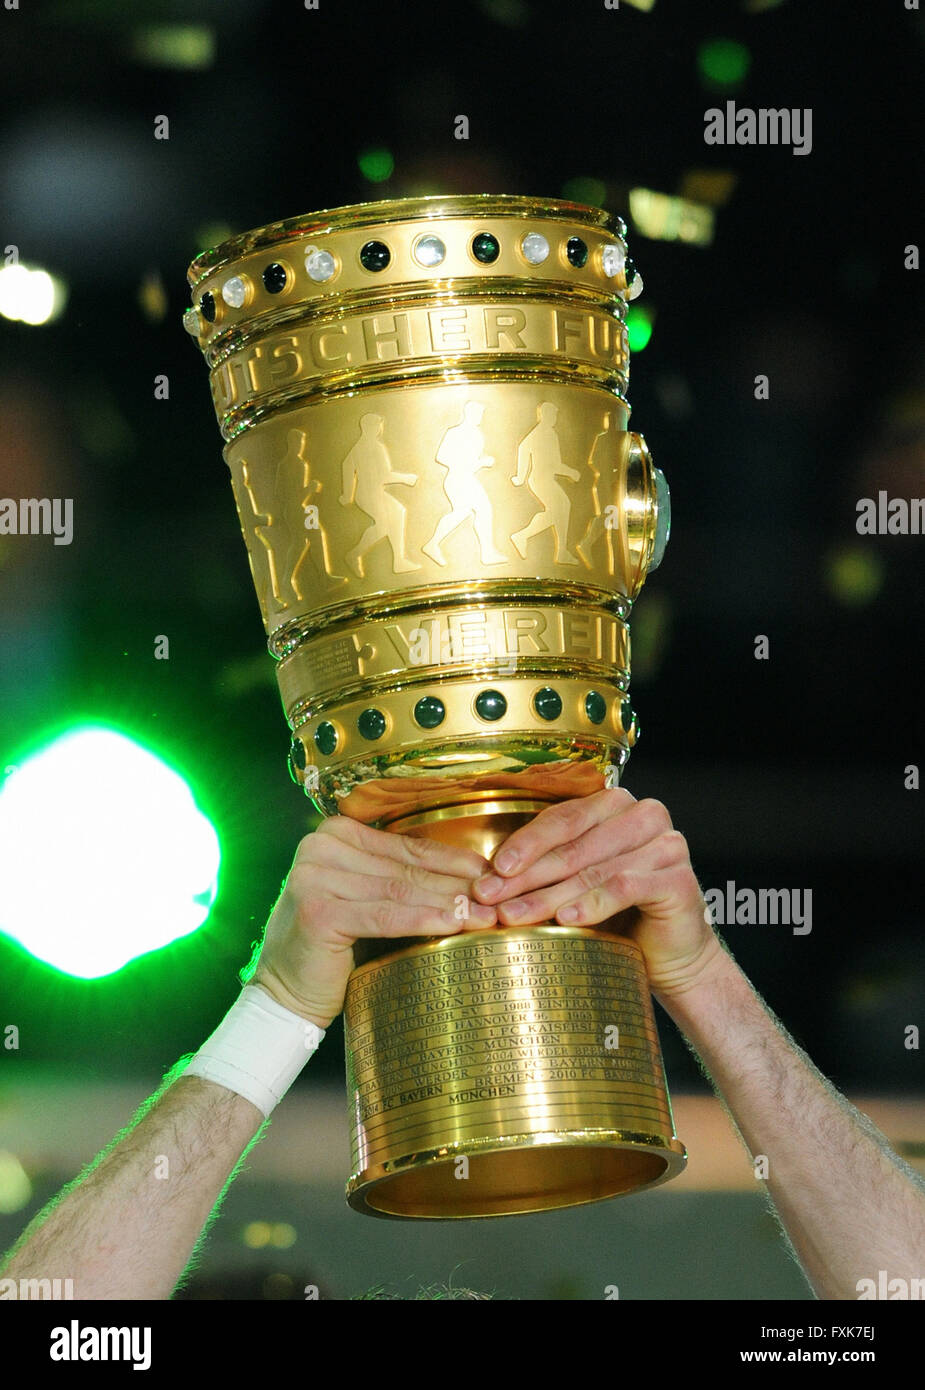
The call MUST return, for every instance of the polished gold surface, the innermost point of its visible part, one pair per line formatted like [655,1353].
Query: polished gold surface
[448,520]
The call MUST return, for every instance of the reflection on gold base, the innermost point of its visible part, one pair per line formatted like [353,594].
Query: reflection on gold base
[517,1175]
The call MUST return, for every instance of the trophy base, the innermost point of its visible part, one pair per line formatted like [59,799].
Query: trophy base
[515,1176]
[503,1071]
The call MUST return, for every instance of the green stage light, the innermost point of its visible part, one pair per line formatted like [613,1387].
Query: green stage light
[376,165]
[723,63]
[104,855]
[639,321]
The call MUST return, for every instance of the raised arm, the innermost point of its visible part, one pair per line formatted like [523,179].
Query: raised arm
[128,1226]
[848,1203]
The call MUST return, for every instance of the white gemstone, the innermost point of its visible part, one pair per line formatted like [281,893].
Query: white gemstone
[430,250]
[635,289]
[613,258]
[191,322]
[320,265]
[234,291]
[535,248]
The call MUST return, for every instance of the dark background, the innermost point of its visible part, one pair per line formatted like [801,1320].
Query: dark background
[782,773]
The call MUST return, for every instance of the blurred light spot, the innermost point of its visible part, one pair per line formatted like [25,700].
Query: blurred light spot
[757,6]
[665,218]
[653,619]
[130,820]
[376,165]
[639,323]
[31,295]
[513,13]
[174,46]
[278,1286]
[15,1187]
[256,1234]
[644,5]
[723,63]
[859,275]
[674,396]
[854,575]
[101,427]
[282,1235]
[152,297]
[711,186]
[211,234]
[581,190]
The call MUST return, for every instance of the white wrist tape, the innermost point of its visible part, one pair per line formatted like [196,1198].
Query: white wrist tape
[257,1050]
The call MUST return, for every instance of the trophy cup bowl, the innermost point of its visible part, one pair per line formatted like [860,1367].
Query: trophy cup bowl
[424,410]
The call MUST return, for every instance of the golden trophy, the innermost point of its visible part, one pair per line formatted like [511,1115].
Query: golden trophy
[425,415]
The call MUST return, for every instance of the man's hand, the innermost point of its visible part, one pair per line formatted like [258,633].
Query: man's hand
[349,881]
[608,858]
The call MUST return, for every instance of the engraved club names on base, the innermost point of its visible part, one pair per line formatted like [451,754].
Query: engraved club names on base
[442,1036]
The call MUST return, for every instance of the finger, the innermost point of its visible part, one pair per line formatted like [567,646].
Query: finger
[556,826]
[629,829]
[401,888]
[387,919]
[600,890]
[406,849]
[345,859]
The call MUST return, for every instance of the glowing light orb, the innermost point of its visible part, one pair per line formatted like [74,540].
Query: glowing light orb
[104,855]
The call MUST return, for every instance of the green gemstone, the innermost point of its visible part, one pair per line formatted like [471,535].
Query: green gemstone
[577,252]
[627,716]
[548,703]
[375,255]
[485,247]
[371,723]
[629,271]
[429,712]
[490,704]
[595,707]
[297,752]
[326,738]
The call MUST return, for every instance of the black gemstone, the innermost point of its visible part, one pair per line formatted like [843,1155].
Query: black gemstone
[577,252]
[274,278]
[326,738]
[429,712]
[547,703]
[371,723]
[490,704]
[595,707]
[627,715]
[375,255]
[486,248]
[629,271]
[297,752]
[207,307]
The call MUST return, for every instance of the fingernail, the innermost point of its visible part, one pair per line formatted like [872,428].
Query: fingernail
[517,908]
[507,860]
[491,883]
[567,914]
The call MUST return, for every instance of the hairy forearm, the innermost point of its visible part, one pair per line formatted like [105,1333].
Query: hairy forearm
[848,1203]
[127,1227]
